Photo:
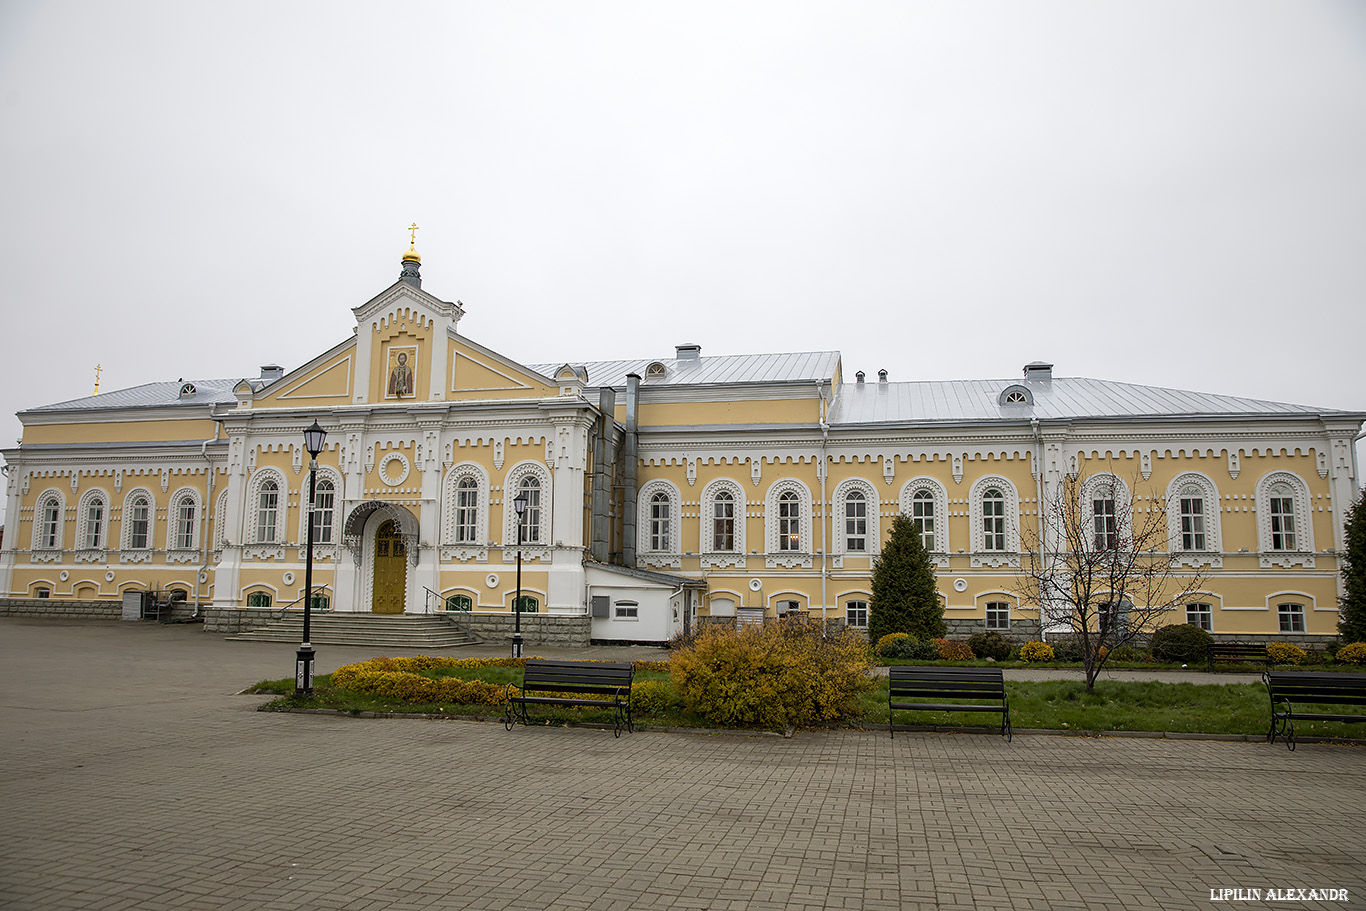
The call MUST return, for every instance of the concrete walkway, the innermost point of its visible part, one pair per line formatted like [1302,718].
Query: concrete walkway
[135,778]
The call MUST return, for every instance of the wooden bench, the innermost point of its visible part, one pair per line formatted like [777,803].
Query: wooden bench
[1240,652]
[1287,688]
[929,689]
[600,684]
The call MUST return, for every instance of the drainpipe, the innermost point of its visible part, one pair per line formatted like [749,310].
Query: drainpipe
[1038,499]
[629,459]
[825,520]
[204,514]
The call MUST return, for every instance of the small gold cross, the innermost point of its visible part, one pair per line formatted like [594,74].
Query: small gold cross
[98,368]
[413,235]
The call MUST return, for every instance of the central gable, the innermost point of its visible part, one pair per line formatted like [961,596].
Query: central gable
[401,350]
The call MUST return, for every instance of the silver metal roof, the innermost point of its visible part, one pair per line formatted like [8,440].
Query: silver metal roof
[720,369]
[1059,398]
[150,395]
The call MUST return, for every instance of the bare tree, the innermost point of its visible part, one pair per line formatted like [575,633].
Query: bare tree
[1103,570]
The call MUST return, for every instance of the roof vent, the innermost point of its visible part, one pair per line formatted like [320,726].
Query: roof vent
[858,377]
[187,390]
[654,370]
[1038,370]
[271,372]
[882,376]
[688,352]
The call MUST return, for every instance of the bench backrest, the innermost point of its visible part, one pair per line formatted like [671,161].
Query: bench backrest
[944,682]
[1238,649]
[599,677]
[1317,686]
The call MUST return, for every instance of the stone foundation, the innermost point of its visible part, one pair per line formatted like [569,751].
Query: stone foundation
[66,609]
[537,629]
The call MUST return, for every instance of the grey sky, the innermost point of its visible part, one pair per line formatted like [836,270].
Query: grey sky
[1169,193]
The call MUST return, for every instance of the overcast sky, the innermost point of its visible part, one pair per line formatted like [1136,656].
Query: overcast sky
[1171,193]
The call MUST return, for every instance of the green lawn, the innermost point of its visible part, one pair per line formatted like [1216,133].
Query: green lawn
[1213,708]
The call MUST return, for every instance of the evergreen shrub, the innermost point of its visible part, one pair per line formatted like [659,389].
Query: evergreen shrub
[779,675]
[989,645]
[887,641]
[1181,642]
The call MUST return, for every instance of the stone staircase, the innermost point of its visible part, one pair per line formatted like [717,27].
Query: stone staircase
[421,631]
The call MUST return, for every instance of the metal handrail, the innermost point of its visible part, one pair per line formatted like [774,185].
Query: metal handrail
[317,589]
[461,619]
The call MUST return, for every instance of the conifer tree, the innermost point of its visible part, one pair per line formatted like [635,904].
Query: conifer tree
[905,597]
[1352,617]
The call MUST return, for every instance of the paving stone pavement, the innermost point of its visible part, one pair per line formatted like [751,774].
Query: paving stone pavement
[135,778]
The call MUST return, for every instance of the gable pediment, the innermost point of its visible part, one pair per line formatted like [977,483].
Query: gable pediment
[400,297]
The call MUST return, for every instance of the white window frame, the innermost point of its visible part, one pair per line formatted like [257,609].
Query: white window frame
[996,608]
[711,555]
[1297,616]
[537,521]
[252,510]
[1212,553]
[1200,610]
[872,508]
[333,476]
[127,521]
[626,610]
[1010,555]
[782,551]
[1109,488]
[174,542]
[49,522]
[455,531]
[664,549]
[856,613]
[1276,484]
[939,499]
[100,526]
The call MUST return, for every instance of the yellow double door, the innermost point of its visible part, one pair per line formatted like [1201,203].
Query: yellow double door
[391,570]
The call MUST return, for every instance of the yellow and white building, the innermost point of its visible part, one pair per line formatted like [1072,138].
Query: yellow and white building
[661,490]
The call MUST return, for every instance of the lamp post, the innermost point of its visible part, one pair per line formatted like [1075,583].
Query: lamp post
[518,504]
[314,437]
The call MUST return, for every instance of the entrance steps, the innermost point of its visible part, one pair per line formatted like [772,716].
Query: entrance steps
[422,631]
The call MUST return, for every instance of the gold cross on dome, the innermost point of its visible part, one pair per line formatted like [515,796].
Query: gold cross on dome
[412,232]
[98,368]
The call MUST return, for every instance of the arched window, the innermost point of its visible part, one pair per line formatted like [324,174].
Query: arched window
[993,520]
[922,515]
[1105,531]
[530,487]
[789,521]
[139,523]
[527,605]
[855,521]
[324,511]
[93,537]
[659,522]
[1281,505]
[184,516]
[723,522]
[1191,504]
[459,603]
[467,511]
[1285,530]
[50,524]
[267,511]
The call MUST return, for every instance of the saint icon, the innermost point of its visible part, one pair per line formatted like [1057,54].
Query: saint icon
[401,377]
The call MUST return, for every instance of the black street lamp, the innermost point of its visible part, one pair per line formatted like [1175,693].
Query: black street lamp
[314,437]
[518,504]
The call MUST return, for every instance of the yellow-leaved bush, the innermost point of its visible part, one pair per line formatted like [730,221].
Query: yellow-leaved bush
[1352,654]
[1284,653]
[783,674]
[1034,652]
[394,678]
